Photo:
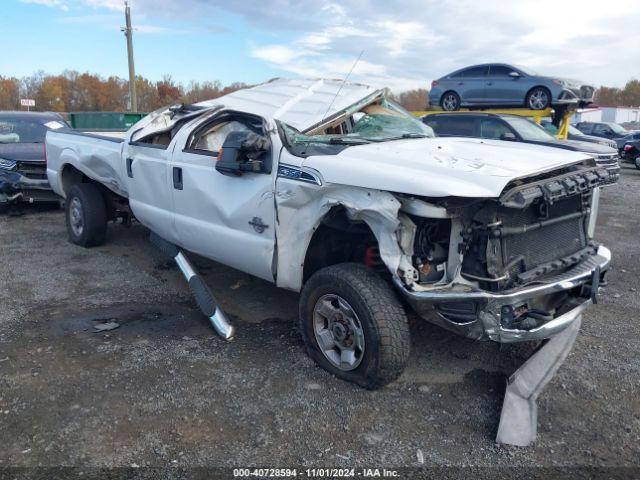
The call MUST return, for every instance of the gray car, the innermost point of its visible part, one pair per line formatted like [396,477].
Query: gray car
[499,84]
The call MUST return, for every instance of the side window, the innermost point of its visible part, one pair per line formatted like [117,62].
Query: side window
[499,71]
[600,129]
[585,128]
[493,129]
[454,127]
[209,139]
[475,72]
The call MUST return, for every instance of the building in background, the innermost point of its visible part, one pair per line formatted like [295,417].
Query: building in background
[607,114]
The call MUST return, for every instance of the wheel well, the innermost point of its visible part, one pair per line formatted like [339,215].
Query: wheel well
[116,206]
[338,239]
[71,176]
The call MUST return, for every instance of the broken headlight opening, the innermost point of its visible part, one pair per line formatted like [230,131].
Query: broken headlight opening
[431,248]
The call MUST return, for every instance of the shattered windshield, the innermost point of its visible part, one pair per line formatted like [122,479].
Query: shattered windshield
[379,121]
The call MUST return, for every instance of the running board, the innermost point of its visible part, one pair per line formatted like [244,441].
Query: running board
[201,292]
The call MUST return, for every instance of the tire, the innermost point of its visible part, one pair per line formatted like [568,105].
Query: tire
[637,162]
[376,322]
[86,215]
[538,98]
[450,101]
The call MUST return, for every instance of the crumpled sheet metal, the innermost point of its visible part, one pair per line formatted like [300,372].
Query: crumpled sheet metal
[301,209]
[519,417]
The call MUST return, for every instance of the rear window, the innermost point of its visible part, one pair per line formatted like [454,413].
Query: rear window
[21,131]
[452,126]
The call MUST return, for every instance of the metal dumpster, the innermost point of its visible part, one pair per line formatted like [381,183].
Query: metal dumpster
[103,121]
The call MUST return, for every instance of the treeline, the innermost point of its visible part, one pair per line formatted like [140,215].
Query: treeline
[629,96]
[76,92]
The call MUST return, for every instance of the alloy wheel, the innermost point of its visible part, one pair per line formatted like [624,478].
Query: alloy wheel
[538,100]
[338,332]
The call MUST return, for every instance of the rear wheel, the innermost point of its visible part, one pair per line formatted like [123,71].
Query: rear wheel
[538,98]
[353,325]
[637,162]
[86,215]
[450,101]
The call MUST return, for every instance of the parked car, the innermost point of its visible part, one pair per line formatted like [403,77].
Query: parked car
[610,130]
[575,134]
[23,176]
[331,189]
[631,152]
[517,129]
[500,84]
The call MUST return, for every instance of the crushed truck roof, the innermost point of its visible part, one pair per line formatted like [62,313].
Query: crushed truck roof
[300,103]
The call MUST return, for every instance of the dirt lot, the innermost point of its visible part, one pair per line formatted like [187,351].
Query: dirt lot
[163,390]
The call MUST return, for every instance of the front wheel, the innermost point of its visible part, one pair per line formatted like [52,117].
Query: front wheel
[86,215]
[353,325]
[637,162]
[538,99]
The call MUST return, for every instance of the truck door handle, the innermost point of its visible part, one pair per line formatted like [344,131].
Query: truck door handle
[129,170]
[177,178]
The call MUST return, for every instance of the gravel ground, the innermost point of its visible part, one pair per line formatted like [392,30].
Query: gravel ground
[162,390]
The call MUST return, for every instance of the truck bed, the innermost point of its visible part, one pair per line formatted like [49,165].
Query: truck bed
[98,157]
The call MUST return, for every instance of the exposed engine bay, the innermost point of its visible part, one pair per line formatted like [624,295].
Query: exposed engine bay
[536,231]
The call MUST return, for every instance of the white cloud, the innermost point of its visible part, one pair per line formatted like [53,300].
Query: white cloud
[49,3]
[278,54]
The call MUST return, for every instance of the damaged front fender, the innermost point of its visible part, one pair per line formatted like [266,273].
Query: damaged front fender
[301,208]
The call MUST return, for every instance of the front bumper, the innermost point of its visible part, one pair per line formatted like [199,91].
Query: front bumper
[16,187]
[583,95]
[488,325]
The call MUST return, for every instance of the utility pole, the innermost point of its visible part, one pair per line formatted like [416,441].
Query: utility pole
[128,32]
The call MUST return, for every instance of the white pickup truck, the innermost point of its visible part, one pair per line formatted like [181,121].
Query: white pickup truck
[331,189]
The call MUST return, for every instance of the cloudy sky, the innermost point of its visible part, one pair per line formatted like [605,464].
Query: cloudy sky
[405,44]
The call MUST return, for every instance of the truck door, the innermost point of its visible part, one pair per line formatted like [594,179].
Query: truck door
[146,166]
[229,219]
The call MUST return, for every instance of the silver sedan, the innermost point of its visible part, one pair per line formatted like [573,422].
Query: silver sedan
[499,84]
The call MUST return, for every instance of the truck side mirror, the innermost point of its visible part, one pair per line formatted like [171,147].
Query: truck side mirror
[242,152]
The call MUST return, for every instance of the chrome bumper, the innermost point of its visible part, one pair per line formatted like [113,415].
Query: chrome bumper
[488,325]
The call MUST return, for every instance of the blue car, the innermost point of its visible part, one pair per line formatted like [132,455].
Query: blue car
[499,84]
